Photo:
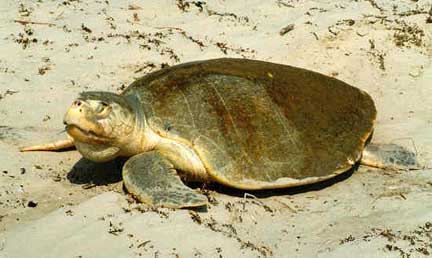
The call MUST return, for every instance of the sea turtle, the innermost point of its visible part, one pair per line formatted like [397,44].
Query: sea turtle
[242,123]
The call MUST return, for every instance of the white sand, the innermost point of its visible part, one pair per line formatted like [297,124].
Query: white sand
[383,47]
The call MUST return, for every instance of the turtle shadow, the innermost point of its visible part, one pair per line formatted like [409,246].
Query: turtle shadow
[285,191]
[89,172]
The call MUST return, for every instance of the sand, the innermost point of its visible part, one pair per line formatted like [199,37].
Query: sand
[60,205]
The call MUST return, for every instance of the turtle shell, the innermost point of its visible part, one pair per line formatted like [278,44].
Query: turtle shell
[259,125]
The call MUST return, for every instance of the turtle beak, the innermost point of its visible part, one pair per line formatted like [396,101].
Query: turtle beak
[81,122]
[76,114]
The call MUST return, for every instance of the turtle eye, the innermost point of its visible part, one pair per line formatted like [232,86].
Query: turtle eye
[103,108]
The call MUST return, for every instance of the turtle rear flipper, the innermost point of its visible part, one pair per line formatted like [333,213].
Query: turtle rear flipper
[52,146]
[389,156]
[152,179]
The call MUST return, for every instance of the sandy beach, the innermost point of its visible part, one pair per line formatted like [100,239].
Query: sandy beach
[57,204]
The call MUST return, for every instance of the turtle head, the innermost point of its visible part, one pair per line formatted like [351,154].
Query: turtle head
[99,122]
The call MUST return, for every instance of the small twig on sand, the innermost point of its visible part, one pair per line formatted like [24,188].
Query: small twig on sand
[280,3]
[286,206]
[33,22]
[169,28]
[286,29]
[260,203]
[88,186]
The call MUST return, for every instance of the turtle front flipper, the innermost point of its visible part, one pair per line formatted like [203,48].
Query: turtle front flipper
[53,146]
[389,156]
[152,179]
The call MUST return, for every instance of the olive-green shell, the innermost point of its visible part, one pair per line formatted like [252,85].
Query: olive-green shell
[258,125]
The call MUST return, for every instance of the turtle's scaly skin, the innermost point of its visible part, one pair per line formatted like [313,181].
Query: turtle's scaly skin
[258,125]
